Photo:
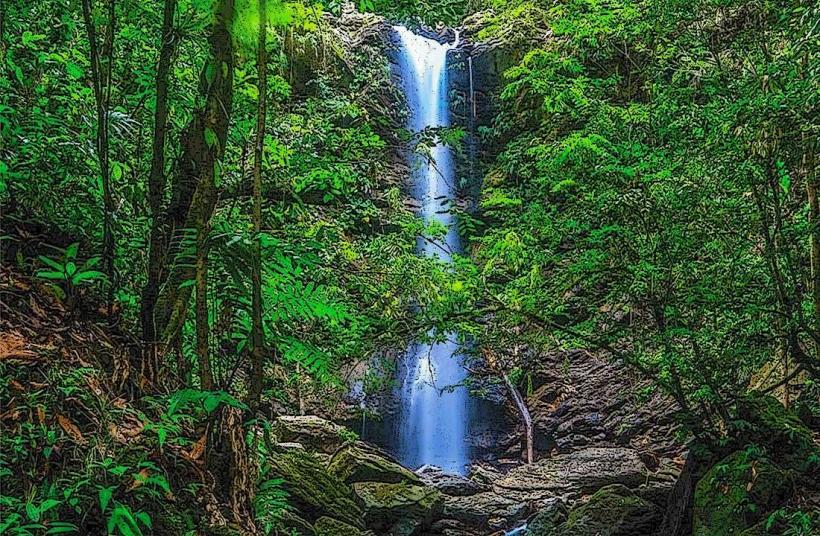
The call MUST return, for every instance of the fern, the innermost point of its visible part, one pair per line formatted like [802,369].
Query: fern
[315,360]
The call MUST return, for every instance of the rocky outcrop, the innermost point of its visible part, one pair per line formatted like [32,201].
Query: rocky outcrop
[578,472]
[579,400]
[326,526]
[485,512]
[312,491]
[611,511]
[358,462]
[548,520]
[312,432]
[398,509]
[450,484]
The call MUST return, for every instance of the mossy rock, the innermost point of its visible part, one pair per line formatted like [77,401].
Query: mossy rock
[612,511]
[400,509]
[293,524]
[312,491]
[326,526]
[780,430]
[356,462]
[549,520]
[757,530]
[312,432]
[736,493]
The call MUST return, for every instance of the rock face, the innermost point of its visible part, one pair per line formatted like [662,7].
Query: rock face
[579,400]
[398,509]
[357,462]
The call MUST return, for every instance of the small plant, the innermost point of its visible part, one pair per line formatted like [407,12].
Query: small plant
[65,271]
[348,435]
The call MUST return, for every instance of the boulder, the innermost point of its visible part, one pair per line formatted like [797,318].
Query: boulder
[313,432]
[578,472]
[326,526]
[485,510]
[357,462]
[612,511]
[785,436]
[736,493]
[398,509]
[291,523]
[449,483]
[312,491]
[548,519]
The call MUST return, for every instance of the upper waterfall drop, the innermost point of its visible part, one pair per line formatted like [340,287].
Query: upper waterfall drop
[433,424]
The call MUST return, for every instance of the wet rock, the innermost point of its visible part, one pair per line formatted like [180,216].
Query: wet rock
[726,493]
[581,471]
[612,511]
[448,483]
[312,491]
[326,526]
[314,433]
[358,462]
[487,510]
[401,509]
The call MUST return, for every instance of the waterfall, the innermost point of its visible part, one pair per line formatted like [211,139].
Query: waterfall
[435,409]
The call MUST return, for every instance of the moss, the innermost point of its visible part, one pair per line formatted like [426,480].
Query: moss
[611,511]
[736,493]
[326,526]
[770,424]
[358,463]
[398,508]
[548,520]
[313,491]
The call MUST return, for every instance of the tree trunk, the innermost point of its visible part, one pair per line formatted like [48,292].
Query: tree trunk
[812,187]
[206,380]
[257,368]
[194,192]
[102,59]
[525,415]
[156,191]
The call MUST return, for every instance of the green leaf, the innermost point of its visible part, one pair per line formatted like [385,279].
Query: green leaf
[48,504]
[211,402]
[105,495]
[32,512]
[61,527]
[87,275]
[52,263]
[144,518]
[73,70]
[71,251]
[70,268]
[210,137]
[54,276]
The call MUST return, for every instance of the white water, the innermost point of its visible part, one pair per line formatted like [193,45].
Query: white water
[434,417]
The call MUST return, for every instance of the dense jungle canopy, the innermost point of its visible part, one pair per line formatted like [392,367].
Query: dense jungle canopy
[210,267]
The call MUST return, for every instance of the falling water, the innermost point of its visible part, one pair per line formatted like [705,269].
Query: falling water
[434,416]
